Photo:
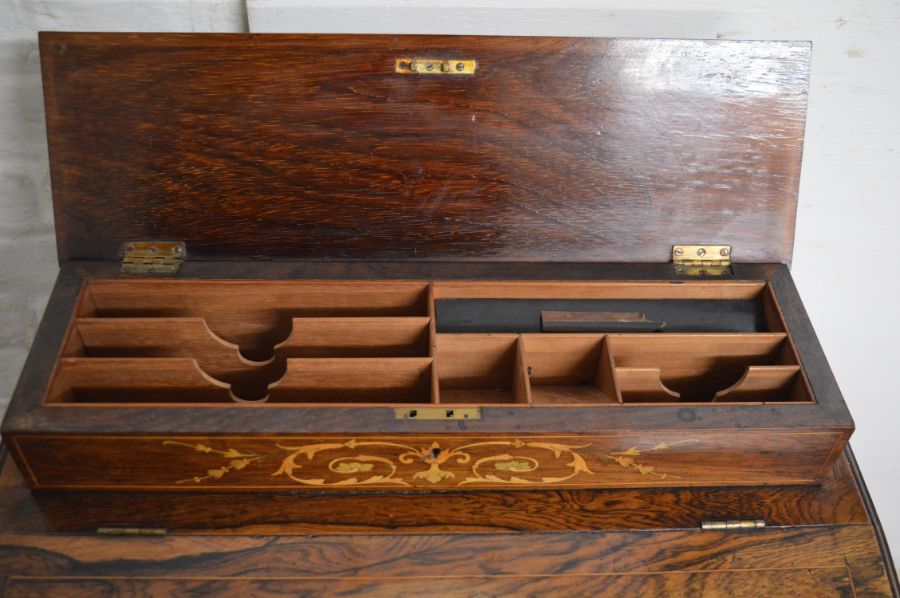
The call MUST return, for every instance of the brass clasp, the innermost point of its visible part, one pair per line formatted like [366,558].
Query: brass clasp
[434,66]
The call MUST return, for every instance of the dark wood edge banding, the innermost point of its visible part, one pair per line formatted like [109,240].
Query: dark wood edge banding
[887,559]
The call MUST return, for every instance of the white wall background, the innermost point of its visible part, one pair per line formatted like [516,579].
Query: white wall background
[849,204]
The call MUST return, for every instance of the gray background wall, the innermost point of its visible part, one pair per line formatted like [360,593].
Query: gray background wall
[849,211]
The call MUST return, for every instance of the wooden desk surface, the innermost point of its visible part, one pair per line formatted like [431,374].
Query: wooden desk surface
[819,541]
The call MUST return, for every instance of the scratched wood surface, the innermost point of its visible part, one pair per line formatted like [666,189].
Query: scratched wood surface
[311,146]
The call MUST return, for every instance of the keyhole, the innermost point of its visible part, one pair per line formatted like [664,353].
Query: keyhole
[435,452]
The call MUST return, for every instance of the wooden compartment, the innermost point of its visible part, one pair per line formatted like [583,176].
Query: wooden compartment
[354,380]
[356,355]
[176,323]
[357,337]
[253,316]
[481,369]
[707,368]
[569,369]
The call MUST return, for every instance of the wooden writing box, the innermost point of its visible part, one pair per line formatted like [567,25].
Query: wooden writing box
[323,262]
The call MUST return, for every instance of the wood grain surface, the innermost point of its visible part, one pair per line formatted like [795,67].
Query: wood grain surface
[651,459]
[835,501]
[823,561]
[311,146]
[819,582]
[820,543]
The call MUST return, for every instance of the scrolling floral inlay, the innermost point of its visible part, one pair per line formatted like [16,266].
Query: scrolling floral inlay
[628,459]
[379,462]
[236,461]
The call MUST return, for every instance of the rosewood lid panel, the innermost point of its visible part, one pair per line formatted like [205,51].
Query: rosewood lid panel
[313,147]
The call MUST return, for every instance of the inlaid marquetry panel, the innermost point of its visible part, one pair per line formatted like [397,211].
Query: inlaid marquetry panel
[425,462]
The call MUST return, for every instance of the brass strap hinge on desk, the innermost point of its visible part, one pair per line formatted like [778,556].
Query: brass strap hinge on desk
[732,524]
[702,260]
[152,257]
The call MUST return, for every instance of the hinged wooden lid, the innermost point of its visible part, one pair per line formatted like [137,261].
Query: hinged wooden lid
[334,147]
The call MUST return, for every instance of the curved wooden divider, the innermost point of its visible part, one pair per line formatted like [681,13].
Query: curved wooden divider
[134,380]
[761,383]
[644,385]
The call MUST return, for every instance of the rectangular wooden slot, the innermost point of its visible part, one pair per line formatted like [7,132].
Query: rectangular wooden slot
[569,369]
[354,380]
[357,337]
[481,369]
[597,316]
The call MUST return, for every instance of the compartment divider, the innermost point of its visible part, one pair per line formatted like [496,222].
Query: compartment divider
[607,379]
[521,378]
[759,382]
[644,385]
[432,346]
[161,337]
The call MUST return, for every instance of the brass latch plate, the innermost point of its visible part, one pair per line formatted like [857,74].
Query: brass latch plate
[152,257]
[702,260]
[732,524]
[438,413]
[434,66]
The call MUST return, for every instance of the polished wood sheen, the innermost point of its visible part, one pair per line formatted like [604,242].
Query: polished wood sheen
[569,543]
[328,204]
[431,463]
[311,146]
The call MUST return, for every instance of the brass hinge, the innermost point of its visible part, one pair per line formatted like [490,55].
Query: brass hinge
[131,531]
[702,260]
[732,524]
[152,257]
